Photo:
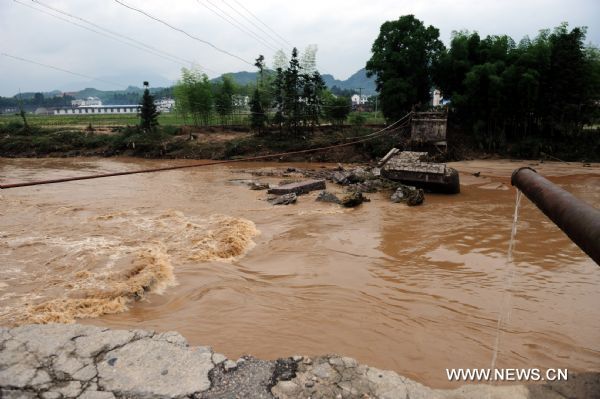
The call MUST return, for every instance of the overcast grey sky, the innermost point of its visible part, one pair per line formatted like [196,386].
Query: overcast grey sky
[343,30]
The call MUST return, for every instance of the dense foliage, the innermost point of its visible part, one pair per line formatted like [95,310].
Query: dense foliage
[31,103]
[298,94]
[403,55]
[525,97]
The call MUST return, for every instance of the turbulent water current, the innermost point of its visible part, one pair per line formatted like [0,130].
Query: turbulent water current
[411,289]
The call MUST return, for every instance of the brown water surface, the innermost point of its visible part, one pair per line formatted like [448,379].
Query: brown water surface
[415,290]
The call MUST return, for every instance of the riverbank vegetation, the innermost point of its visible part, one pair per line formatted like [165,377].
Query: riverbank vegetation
[521,98]
[168,141]
[535,98]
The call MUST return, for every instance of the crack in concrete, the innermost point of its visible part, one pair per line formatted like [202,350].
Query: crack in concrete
[45,362]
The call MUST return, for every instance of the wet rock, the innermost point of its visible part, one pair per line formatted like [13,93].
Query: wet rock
[342,177]
[285,182]
[346,177]
[368,186]
[285,199]
[354,199]
[416,197]
[326,196]
[258,186]
[411,195]
[298,188]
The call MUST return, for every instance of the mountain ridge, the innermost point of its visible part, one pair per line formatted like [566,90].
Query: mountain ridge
[355,82]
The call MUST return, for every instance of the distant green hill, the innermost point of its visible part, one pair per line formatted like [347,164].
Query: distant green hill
[132,94]
[359,79]
[354,82]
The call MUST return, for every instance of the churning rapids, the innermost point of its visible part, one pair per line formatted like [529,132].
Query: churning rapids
[412,289]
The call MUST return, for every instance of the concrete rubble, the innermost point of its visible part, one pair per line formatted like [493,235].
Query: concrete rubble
[298,188]
[326,196]
[356,181]
[284,199]
[88,362]
[411,195]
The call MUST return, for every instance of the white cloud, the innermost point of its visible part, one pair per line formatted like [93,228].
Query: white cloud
[343,30]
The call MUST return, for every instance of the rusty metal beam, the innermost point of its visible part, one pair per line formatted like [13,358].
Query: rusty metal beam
[579,220]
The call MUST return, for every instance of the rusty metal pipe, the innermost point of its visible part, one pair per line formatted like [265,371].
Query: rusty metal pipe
[579,220]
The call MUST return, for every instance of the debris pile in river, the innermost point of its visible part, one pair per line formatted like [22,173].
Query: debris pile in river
[355,180]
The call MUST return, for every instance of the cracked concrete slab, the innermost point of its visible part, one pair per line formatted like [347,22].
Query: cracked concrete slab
[151,367]
[75,361]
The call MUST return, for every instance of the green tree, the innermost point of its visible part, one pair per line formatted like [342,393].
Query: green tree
[402,59]
[278,96]
[263,83]
[336,108]
[298,94]
[541,90]
[258,116]
[193,96]
[292,109]
[224,98]
[148,112]
[257,112]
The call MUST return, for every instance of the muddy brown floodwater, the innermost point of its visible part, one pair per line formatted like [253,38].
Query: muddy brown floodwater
[412,289]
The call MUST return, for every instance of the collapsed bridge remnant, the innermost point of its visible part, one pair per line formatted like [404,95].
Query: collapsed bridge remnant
[412,168]
[429,128]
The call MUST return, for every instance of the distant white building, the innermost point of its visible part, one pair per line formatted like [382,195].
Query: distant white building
[165,104]
[88,102]
[102,109]
[359,100]
[436,98]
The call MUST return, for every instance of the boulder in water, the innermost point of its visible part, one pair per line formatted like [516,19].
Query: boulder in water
[411,195]
[353,199]
[284,199]
[258,186]
[326,196]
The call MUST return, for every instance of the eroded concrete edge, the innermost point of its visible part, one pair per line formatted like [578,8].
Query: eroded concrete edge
[77,361]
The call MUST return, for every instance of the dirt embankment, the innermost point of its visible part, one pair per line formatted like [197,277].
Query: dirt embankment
[186,143]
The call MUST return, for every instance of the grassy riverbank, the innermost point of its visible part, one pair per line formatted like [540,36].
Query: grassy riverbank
[181,142]
[216,142]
